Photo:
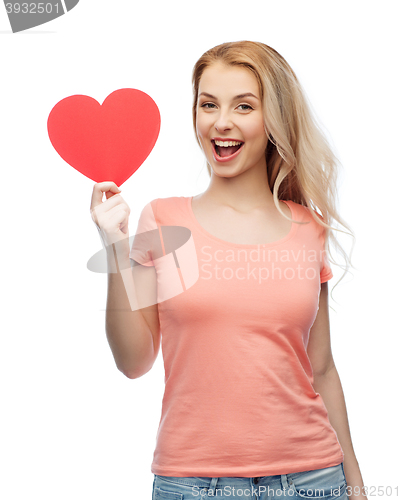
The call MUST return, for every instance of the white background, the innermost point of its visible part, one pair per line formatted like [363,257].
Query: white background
[72,425]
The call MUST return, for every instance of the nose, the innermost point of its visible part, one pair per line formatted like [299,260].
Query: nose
[223,121]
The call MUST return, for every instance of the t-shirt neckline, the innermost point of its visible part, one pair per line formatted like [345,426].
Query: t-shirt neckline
[245,245]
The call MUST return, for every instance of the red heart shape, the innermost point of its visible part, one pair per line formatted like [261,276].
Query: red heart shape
[109,141]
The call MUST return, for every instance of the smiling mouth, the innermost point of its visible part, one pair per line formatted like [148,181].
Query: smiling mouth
[225,149]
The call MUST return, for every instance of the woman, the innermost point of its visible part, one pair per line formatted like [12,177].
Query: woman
[253,405]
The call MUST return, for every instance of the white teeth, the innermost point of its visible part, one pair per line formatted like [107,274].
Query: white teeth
[225,144]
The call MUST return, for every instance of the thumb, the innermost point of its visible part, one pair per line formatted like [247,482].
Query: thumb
[112,191]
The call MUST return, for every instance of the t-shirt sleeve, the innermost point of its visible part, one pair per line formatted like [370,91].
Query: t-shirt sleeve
[142,247]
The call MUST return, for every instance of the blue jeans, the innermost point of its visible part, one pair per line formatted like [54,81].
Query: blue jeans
[325,484]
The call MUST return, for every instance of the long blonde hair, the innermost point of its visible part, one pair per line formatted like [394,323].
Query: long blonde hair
[301,165]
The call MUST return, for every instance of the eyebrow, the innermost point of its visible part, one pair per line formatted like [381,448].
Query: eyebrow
[240,96]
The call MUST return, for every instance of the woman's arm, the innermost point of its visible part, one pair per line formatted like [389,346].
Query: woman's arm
[328,385]
[132,324]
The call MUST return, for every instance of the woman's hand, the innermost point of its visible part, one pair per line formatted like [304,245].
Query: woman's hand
[110,216]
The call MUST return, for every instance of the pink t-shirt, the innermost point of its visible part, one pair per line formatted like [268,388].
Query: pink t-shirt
[239,399]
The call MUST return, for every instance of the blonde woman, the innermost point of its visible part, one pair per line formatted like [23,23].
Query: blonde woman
[253,405]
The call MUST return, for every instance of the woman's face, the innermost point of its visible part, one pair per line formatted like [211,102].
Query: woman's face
[229,122]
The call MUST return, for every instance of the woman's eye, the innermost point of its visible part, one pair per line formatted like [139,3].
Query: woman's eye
[245,107]
[210,105]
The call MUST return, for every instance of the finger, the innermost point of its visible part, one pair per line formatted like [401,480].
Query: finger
[118,208]
[117,220]
[107,187]
[106,209]
[114,201]
[108,217]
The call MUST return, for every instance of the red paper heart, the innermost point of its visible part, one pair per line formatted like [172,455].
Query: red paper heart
[107,142]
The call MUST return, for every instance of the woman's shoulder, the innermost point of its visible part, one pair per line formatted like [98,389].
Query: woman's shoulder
[305,214]
[171,200]
[302,208]
[168,207]
[298,210]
